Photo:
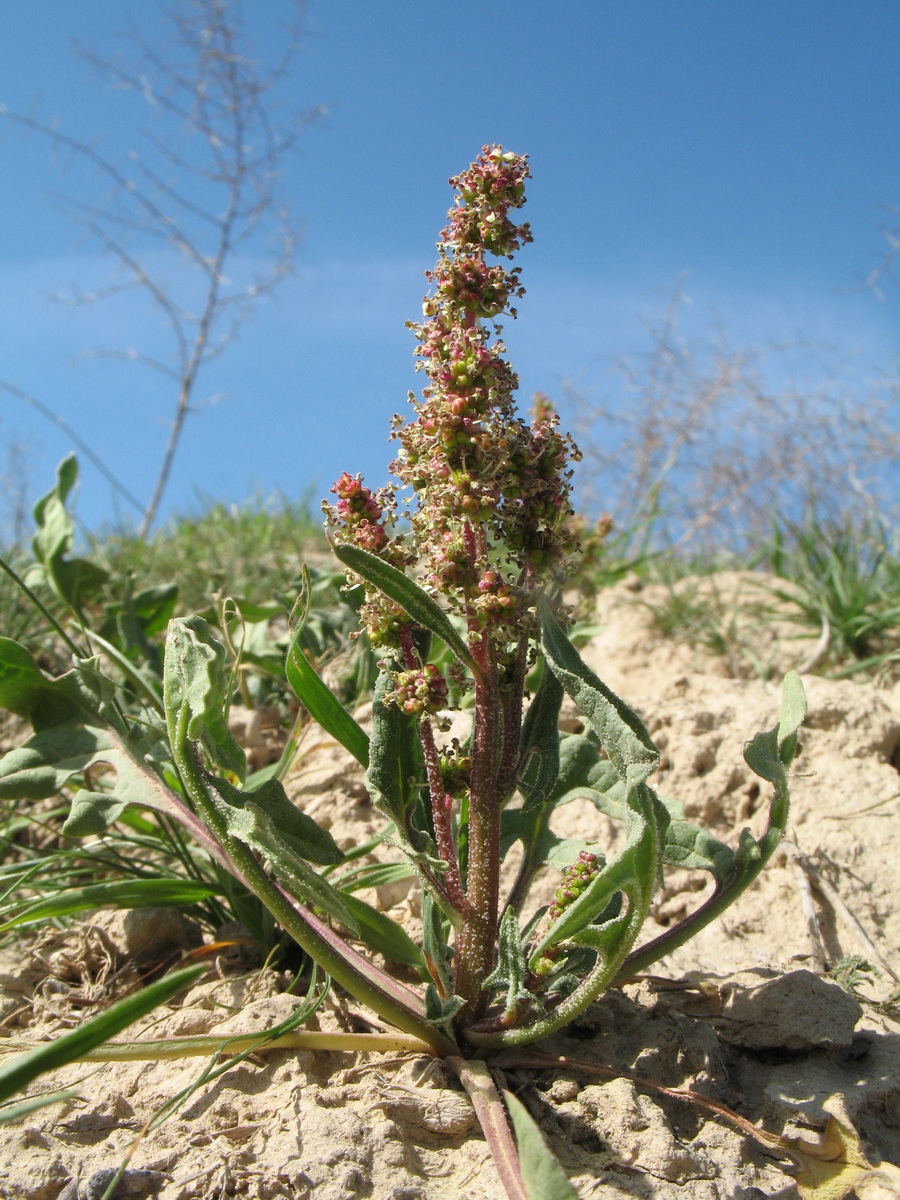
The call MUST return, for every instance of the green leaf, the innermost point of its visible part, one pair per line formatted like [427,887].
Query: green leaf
[579,768]
[404,591]
[542,1175]
[539,755]
[383,935]
[132,621]
[16,1075]
[394,756]
[249,611]
[691,847]
[55,529]
[622,733]
[321,705]
[73,579]
[532,830]
[565,851]
[762,756]
[153,607]
[791,717]
[195,680]
[300,832]
[26,691]
[511,968]
[769,753]
[92,813]
[374,875]
[120,893]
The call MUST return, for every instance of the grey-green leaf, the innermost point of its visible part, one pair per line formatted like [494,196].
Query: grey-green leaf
[299,831]
[393,771]
[195,679]
[693,848]
[621,731]
[255,827]
[54,757]
[542,1175]
[511,968]
[539,754]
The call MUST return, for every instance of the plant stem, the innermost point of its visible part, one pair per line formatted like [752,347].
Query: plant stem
[441,805]
[477,935]
[207,1044]
[391,1000]
[476,1079]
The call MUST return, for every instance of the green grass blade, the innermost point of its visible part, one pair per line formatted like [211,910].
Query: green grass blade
[13,1112]
[119,893]
[16,1075]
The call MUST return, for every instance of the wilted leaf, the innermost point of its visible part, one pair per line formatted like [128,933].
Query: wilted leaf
[836,1166]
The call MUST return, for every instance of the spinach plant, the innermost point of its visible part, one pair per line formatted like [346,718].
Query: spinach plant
[464,604]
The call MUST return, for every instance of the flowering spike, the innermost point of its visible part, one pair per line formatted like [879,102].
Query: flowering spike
[488,498]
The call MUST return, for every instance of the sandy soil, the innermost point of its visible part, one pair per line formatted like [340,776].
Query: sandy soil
[744,1014]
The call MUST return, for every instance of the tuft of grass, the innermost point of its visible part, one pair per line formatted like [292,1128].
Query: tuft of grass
[253,553]
[255,550]
[842,574]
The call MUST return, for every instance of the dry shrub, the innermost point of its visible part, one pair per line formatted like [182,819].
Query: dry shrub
[704,441]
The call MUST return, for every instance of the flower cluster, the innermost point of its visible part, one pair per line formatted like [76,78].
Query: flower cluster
[358,514]
[492,491]
[419,691]
[362,517]
[574,881]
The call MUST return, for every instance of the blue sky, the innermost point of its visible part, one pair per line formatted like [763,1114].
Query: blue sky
[748,148]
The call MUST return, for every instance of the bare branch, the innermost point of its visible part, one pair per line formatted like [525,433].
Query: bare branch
[205,185]
[134,357]
[886,264]
[76,440]
[707,442]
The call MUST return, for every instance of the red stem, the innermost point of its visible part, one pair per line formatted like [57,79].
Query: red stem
[478,934]
[441,804]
